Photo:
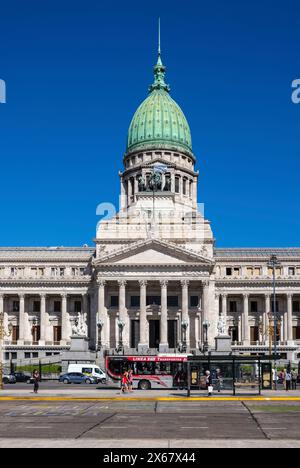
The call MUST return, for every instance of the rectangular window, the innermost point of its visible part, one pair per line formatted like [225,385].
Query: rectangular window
[272,306]
[254,306]
[296,333]
[257,271]
[154,300]
[16,306]
[114,301]
[36,333]
[15,333]
[194,301]
[135,301]
[36,306]
[77,306]
[57,334]
[254,334]
[292,271]
[35,355]
[57,306]
[296,306]
[228,271]
[172,301]
[27,355]
[233,306]
[176,184]
[236,272]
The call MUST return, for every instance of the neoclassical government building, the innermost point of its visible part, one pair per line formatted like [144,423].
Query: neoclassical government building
[155,279]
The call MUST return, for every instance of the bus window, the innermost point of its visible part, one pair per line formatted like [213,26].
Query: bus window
[144,368]
[163,368]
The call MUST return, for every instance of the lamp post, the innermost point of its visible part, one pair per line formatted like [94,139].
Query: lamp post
[206,326]
[100,324]
[273,263]
[184,326]
[121,325]
[3,334]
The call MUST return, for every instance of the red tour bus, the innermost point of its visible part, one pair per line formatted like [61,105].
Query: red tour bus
[163,371]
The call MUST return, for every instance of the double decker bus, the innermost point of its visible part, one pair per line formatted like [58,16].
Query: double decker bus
[162,371]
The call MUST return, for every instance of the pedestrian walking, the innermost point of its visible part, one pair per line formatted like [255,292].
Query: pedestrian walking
[209,383]
[288,380]
[130,380]
[294,379]
[36,379]
[219,380]
[124,382]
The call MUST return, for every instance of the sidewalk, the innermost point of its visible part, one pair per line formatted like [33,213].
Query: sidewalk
[65,394]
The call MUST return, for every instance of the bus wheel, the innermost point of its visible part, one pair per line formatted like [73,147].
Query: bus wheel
[144,385]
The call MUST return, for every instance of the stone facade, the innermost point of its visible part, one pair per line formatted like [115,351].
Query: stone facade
[155,280]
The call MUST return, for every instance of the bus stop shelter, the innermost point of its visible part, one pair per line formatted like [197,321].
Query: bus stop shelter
[236,375]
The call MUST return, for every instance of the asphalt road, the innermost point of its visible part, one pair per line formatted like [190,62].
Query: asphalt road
[119,420]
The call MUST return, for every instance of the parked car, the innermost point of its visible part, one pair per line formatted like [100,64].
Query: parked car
[22,377]
[91,370]
[9,379]
[77,378]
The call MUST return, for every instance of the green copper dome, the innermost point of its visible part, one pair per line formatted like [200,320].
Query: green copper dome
[159,122]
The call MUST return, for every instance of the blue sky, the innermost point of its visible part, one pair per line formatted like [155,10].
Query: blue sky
[76,72]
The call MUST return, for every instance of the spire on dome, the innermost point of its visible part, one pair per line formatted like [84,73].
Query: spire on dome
[159,69]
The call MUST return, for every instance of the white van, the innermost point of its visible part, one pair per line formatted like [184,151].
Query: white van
[89,369]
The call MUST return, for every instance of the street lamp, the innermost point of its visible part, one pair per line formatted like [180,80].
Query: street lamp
[206,325]
[100,325]
[3,334]
[121,325]
[273,263]
[184,326]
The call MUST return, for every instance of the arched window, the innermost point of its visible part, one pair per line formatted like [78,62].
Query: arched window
[177,184]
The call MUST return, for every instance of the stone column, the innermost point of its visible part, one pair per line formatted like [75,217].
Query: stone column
[224,306]
[185,309]
[5,316]
[102,315]
[123,316]
[65,320]
[246,328]
[164,345]
[266,318]
[43,320]
[144,339]
[290,318]
[21,319]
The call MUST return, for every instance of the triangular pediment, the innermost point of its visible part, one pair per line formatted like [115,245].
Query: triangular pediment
[153,252]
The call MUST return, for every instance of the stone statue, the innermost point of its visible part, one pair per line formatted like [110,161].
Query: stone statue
[79,327]
[222,326]
[155,182]
[167,187]
[142,184]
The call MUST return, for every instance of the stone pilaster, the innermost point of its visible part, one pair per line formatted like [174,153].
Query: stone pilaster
[185,308]
[65,320]
[246,328]
[164,345]
[290,318]
[102,315]
[144,339]
[43,320]
[123,316]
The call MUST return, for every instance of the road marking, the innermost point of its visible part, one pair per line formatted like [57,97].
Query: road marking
[274,428]
[38,427]
[146,399]
[193,427]
[113,427]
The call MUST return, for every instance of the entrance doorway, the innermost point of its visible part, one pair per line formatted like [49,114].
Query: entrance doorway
[172,333]
[135,333]
[154,333]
